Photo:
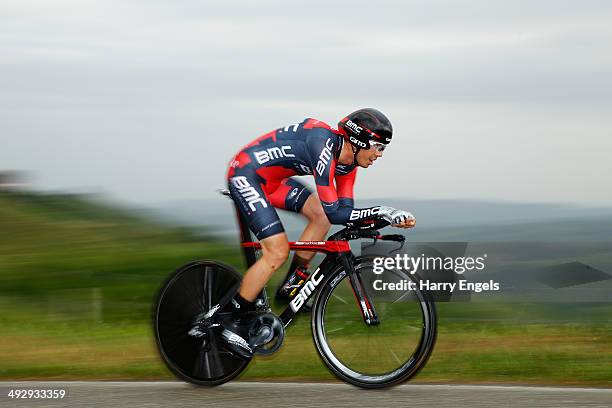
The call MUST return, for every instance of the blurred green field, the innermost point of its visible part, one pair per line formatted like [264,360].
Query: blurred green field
[77,281]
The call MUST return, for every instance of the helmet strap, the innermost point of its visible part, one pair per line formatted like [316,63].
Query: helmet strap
[355,151]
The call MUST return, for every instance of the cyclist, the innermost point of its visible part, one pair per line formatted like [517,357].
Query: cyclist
[260,180]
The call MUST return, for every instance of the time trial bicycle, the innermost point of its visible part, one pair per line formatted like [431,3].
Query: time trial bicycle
[368,338]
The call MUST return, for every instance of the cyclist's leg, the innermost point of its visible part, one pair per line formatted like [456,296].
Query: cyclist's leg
[318,224]
[248,194]
[275,250]
[246,190]
[291,195]
[237,326]
[294,196]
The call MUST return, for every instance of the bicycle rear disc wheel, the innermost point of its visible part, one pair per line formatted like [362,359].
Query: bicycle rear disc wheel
[191,292]
[373,356]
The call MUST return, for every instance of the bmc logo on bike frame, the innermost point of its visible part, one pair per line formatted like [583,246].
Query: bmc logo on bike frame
[306,291]
[264,156]
[358,214]
[248,192]
[325,156]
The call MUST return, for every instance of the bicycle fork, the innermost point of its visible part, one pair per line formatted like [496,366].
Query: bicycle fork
[366,307]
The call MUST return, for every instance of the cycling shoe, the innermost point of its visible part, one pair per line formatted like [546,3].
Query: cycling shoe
[236,332]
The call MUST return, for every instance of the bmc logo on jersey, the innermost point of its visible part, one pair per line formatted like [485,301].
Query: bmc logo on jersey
[325,157]
[264,156]
[358,214]
[358,142]
[354,127]
[248,192]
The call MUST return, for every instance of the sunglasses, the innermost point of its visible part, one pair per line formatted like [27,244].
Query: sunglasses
[379,147]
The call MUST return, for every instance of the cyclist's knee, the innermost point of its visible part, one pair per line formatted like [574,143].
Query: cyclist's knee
[276,257]
[313,210]
[275,251]
[321,219]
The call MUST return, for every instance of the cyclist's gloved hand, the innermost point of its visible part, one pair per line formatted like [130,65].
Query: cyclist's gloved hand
[397,218]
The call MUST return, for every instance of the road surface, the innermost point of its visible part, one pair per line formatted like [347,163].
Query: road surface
[268,395]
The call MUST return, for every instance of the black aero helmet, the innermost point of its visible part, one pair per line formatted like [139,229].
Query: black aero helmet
[365,125]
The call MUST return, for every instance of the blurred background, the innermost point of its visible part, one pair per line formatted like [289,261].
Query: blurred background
[118,120]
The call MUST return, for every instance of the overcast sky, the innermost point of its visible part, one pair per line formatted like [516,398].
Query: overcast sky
[148,100]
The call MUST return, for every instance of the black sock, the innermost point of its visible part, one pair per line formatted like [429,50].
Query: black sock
[241,305]
[295,262]
[238,305]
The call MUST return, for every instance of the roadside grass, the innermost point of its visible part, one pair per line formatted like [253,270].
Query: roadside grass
[569,353]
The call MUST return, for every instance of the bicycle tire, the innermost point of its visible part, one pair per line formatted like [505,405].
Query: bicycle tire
[339,331]
[190,291]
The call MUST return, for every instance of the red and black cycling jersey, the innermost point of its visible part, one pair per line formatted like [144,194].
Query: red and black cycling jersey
[310,147]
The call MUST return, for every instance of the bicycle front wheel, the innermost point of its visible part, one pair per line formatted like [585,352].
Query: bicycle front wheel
[379,355]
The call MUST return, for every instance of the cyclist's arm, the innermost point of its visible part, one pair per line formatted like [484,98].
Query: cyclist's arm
[344,187]
[339,209]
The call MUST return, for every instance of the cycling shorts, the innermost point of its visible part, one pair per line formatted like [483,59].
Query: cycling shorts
[256,198]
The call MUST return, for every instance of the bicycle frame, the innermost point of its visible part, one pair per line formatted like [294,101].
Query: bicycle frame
[338,252]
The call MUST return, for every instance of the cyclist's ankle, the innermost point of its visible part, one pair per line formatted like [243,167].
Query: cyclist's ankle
[294,280]
[298,261]
[238,306]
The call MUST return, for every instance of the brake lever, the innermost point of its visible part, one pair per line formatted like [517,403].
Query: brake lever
[394,237]
[391,237]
